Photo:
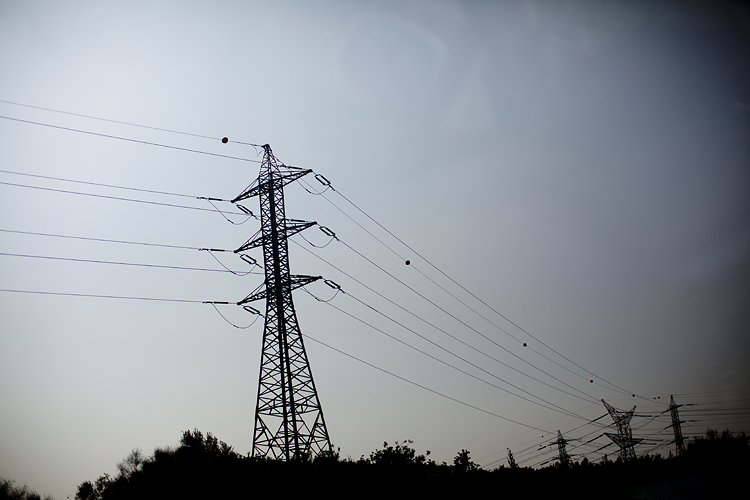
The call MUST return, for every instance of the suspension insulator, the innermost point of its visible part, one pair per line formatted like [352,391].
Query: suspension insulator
[327,231]
[332,284]
[322,180]
[249,259]
[251,310]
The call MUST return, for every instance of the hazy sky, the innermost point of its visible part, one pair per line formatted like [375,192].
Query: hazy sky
[581,166]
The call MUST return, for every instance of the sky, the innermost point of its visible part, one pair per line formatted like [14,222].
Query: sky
[581,167]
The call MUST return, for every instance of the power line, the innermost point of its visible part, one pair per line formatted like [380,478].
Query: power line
[102,185]
[483,353]
[423,387]
[120,198]
[116,262]
[125,123]
[128,139]
[552,406]
[99,239]
[210,251]
[307,336]
[101,296]
[472,294]
[591,398]
[328,186]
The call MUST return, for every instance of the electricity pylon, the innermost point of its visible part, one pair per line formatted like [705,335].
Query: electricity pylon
[563,456]
[624,437]
[680,445]
[289,421]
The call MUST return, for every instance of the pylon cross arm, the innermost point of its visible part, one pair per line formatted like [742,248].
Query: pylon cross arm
[280,180]
[296,282]
[293,227]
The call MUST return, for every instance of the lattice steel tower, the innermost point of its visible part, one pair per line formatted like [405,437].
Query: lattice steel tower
[562,453]
[624,437]
[289,421]
[679,443]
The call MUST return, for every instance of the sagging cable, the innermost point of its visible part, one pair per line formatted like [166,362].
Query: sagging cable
[214,303]
[325,231]
[211,251]
[330,283]
[320,179]
[250,214]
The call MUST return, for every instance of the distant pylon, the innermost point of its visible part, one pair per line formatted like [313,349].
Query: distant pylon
[679,444]
[289,421]
[624,437]
[563,456]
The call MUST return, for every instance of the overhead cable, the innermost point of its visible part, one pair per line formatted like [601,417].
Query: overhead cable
[117,263]
[99,239]
[128,139]
[125,123]
[483,353]
[472,294]
[100,296]
[422,386]
[116,198]
[553,406]
[466,324]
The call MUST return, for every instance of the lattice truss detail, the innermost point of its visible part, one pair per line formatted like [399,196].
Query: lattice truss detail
[624,437]
[289,421]
[562,453]
[675,414]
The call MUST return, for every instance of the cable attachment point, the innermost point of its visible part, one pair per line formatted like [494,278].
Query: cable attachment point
[332,284]
[327,231]
[249,260]
[209,198]
[243,209]
[252,310]
[212,250]
[216,302]
[322,180]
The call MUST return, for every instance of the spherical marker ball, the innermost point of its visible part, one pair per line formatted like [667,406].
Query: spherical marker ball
[591,381]
[524,344]
[408,262]
[225,140]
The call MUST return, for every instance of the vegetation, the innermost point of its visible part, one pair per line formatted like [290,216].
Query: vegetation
[8,491]
[204,467]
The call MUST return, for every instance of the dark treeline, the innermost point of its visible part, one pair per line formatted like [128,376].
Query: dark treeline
[204,467]
[9,491]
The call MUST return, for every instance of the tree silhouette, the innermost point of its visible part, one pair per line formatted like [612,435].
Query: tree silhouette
[8,491]
[398,455]
[462,462]
[511,461]
[132,463]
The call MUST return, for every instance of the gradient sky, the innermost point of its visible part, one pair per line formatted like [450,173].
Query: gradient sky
[581,166]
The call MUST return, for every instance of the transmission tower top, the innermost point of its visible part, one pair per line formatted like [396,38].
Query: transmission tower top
[624,437]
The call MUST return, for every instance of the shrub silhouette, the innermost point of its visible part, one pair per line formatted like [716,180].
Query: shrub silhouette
[202,466]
